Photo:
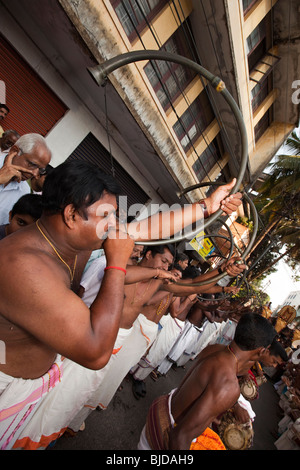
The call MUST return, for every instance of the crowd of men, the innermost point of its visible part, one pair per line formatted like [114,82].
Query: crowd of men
[85,301]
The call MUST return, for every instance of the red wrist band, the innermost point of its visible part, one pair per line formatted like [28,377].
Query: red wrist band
[115,267]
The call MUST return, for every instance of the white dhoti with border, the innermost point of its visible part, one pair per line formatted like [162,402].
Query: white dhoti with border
[65,403]
[226,333]
[94,399]
[160,347]
[20,401]
[141,337]
[177,349]
[194,336]
[210,333]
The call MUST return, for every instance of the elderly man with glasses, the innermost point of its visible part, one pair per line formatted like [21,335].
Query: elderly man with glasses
[27,158]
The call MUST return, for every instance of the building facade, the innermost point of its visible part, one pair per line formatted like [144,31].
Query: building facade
[159,126]
[293,299]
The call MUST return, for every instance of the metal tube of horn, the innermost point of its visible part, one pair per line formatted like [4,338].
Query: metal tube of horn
[100,73]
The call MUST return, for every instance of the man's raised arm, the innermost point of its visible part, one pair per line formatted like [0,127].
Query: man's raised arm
[166,224]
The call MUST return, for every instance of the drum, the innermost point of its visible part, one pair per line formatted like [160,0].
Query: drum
[235,436]
[249,388]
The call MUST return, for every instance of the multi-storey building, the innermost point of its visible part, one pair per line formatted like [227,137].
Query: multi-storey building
[293,299]
[159,126]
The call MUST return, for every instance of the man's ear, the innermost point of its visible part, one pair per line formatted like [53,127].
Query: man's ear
[263,350]
[9,216]
[14,148]
[69,215]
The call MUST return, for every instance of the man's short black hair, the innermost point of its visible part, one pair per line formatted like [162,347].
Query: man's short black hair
[253,331]
[181,257]
[76,182]
[276,349]
[191,272]
[2,105]
[159,249]
[30,204]
[176,266]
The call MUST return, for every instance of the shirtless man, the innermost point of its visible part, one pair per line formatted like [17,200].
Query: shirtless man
[136,255]
[140,297]
[161,256]
[272,357]
[160,304]
[41,316]
[136,332]
[209,388]
[181,306]
[137,328]
[138,294]
[37,280]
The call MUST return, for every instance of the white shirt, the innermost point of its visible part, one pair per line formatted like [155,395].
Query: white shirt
[10,194]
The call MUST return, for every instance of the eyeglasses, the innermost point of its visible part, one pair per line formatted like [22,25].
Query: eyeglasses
[42,171]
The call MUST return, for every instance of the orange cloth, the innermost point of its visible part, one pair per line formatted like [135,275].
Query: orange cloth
[208,440]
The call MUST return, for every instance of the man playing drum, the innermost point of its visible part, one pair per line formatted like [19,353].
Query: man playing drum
[209,389]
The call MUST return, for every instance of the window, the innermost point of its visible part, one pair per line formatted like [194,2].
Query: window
[206,161]
[256,45]
[247,5]
[168,79]
[255,37]
[259,93]
[193,121]
[134,14]
[262,125]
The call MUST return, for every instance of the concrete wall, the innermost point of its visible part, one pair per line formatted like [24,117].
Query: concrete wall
[67,134]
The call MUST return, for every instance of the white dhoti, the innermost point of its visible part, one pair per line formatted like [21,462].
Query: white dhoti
[160,347]
[194,336]
[20,400]
[141,337]
[94,399]
[210,333]
[65,403]
[177,349]
[227,332]
[59,407]
[247,406]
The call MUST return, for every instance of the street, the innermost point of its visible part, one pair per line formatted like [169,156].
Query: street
[120,425]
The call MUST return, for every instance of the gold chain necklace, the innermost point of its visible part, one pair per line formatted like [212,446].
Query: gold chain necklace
[56,252]
[162,306]
[237,363]
[136,299]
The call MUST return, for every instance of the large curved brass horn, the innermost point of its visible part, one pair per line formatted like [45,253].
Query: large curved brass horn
[251,241]
[100,73]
